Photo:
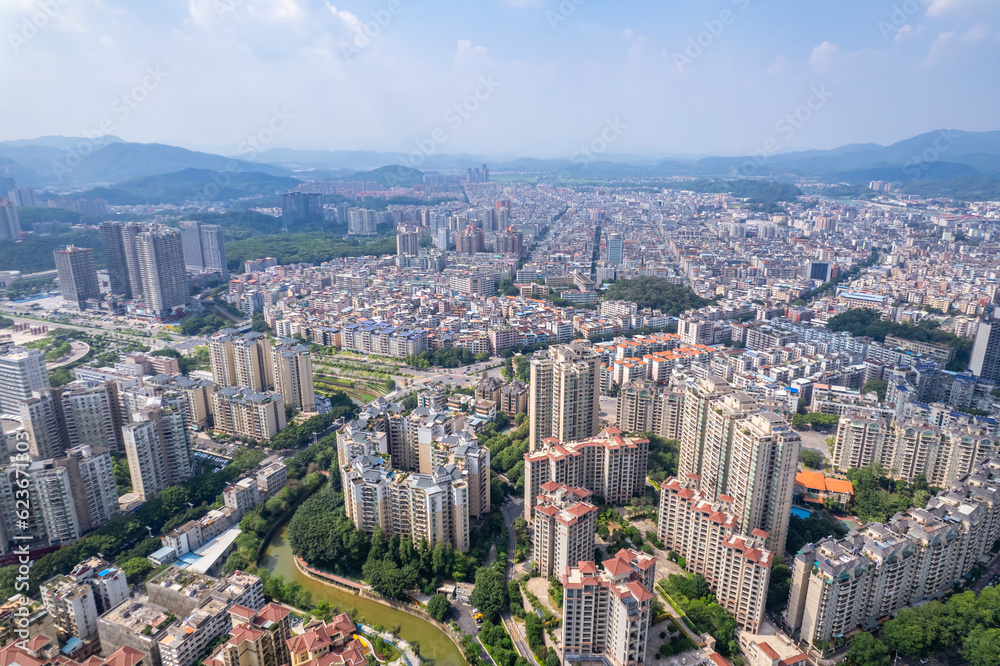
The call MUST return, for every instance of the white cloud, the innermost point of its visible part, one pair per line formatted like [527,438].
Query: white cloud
[778,66]
[824,56]
[943,7]
[466,54]
[944,41]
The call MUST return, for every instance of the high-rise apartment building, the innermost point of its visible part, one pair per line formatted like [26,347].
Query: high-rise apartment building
[699,399]
[610,465]
[92,482]
[252,362]
[244,413]
[76,414]
[158,445]
[24,197]
[838,586]
[300,209]
[77,274]
[607,613]
[204,246]
[145,458]
[985,361]
[293,374]
[616,249]
[564,401]
[22,371]
[162,271]
[122,257]
[407,243]
[703,529]
[10,225]
[564,528]
[76,601]
[258,638]
[860,441]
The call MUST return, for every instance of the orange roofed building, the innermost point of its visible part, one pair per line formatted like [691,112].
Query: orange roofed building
[815,487]
[703,529]
[608,613]
[44,651]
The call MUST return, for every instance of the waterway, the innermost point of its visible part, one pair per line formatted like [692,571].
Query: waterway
[435,646]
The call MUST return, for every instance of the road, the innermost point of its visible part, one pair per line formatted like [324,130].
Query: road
[992,570]
[512,510]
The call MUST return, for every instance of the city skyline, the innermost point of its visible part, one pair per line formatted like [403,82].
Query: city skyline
[529,77]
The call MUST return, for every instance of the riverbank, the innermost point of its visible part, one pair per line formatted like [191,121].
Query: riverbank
[433,642]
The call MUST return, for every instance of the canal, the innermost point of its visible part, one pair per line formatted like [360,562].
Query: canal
[434,644]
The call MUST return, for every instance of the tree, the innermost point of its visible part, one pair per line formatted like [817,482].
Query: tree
[866,650]
[438,607]
[811,458]
[390,384]
[490,593]
[781,583]
[982,647]
[259,323]
[880,386]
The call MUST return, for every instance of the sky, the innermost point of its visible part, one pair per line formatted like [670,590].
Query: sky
[505,78]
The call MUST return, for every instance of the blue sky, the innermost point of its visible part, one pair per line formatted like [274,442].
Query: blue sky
[538,78]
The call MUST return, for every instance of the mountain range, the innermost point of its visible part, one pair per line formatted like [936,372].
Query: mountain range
[134,172]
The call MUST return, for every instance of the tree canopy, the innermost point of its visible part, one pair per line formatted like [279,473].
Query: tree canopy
[658,293]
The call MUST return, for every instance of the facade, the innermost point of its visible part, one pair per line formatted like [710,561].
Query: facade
[244,413]
[10,226]
[616,249]
[300,208]
[204,247]
[610,465]
[158,445]
[607,613]
[407,243]
[564,528]
[76,601]
[122,258]
[161,267]
[258,638]
[77,274]
[565,389]
[22,371]
[704,531]
[293,374]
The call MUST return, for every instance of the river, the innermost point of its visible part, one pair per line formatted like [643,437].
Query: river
[435,646]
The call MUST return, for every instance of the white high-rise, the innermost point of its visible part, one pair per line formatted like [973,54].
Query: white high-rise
[21,372]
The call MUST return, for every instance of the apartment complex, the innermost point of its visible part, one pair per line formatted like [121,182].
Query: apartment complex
[565,389]
[249,360]
[908,448]
[703,529]
[204,247]
[258,638]
[607,612]
[246,413]
[919,554]
[645,407]
[158,445]
[161,269]
[76,414]
[610,465]
[738,447]
[76,601]
[564,528]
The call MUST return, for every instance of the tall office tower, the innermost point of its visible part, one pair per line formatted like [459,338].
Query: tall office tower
[616,249]
[10,226]
[737,567]
[408,243]
[252,360]
[213,249]
[565,393]
[607,614]
[699,398]
[43,419]
[161,263]
[985,361]
[300,208]
[77,274]
[92,482]
[860,441]
[22,371]
[145,458]
[762,477]
[565,525]
[114,254]
[293,376]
